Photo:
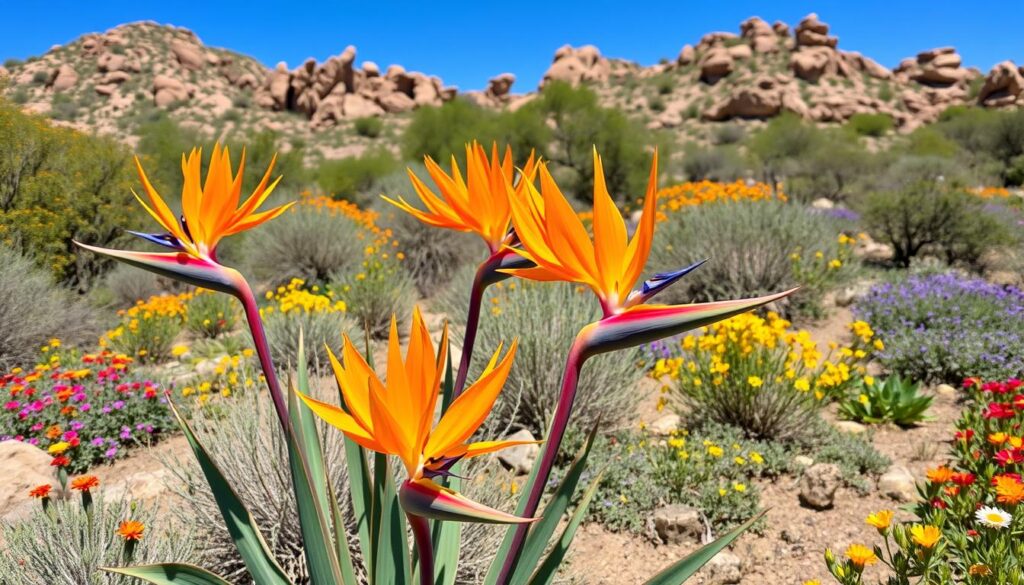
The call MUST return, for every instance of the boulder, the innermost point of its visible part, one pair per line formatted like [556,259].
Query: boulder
[277,84]
[64,78]
[898,483]
[500,85]
[716,39]
[687,55]
[1003,85]
[246,81]
[679,524]
[520,458]
[370,69]
[665,425]
[715,64]
[741,52]
[115,77]
[426,91]
[940,66]
[25,467]
[357,106]
[780,28]
[188,55]
[867,65]
[105,90]
[577,65]
[811,32]
[725,568]
[168,90]
[850,427]
[818,485]
[397,102]
[760,35]
[111,62]
[811,63]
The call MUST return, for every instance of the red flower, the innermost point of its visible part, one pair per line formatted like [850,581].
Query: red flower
[962,479]
[972,532]
[1009,457]
[60,461]
[1018,402]
[965,435]
[41,491]
[970,382]
[998,410]
[938,503]
[1014,383]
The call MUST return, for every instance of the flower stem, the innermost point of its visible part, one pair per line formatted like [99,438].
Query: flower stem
[424,547]
[552,444]
[259,338]
[472,322]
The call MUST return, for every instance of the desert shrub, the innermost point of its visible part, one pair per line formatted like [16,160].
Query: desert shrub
[124,285]
[147,330]
[308,242]
[931,217]
[349,178]
[68,544]
[33,310]
[545,317]
[926,141]
[719,163]
[56,186]
[370,126]
[375,291]
[12,62]
[870,124]
[894,400]
[245,441]
[727,232]
[664,84]
[40,78]
[317,314]
[728,133]
[444,131]
[432,255]
[210,314]
[111,408]
[757,374]
[785,139]
[944,328]
[656,103]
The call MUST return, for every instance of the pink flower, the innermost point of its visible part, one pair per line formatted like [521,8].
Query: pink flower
[1010,457]
[998,410]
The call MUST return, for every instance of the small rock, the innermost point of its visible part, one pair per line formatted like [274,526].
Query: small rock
[849,426]
[818,485]
[946,390]
[823,203]
[852,293]
[725,568]
[521,457]
[665,425]
[898,483]
[802,461]
[678,524]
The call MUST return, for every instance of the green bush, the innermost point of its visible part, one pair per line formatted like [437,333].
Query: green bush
[33,310]
[349,178]
[318,328]
[870,124]
[306,242]
[545,317]
[69,544]
[718,163]
[728,133]
[370,126]
[125,284]
[211,314]
[375,291]
[892,400]
[58,186]
[726,233]
[931,217]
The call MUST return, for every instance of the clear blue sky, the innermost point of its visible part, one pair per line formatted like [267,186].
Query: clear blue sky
[466,43]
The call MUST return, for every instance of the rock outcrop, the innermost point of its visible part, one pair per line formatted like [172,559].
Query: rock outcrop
[1003,86]
[577,65]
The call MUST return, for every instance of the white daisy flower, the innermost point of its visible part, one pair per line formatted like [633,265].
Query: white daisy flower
[993,517]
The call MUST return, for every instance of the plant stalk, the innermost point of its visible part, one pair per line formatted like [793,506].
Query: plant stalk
[259,338]
[552,443]
[476,295]
[424,547]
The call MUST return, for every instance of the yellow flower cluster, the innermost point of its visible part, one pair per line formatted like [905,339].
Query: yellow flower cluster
[689,194]
[231,374]
[753,351]
[295,297]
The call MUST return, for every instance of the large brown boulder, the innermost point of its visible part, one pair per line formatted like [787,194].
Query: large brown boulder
[939,67]
[357,106]
[188,55]
[168,90]
[811,32]
[397,102]
[499,86]
[715,64]
[767,97]
[577,65]
[811,63]
[686,56]
[111,62]
[1003,85]
[64,78]
[25,467]
[866,64]
[761,36]
[277,85]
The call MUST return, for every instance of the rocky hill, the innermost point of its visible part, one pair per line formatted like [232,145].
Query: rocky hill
[114,81]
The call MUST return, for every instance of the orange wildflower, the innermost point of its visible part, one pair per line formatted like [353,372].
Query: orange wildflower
[41,491]
[131,530]
[85,483]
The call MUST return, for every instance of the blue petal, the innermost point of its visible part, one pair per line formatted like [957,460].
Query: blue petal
[663,280]
[166,240]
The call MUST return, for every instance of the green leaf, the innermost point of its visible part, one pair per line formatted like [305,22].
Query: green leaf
[447,536]
[540,534]
[309,482]
[686,567]
[361,492]
[549,568]
[258,558]
[392,563]
[170,574]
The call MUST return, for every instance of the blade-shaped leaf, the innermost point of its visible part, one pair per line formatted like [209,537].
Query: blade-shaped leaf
[447,535]
[539,536]
[309,481]
[683,569]
[392,563]
[170,574]
[258,558]
[549,568]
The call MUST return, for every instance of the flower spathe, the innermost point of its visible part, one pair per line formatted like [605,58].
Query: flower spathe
[395,417]
[479,203]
